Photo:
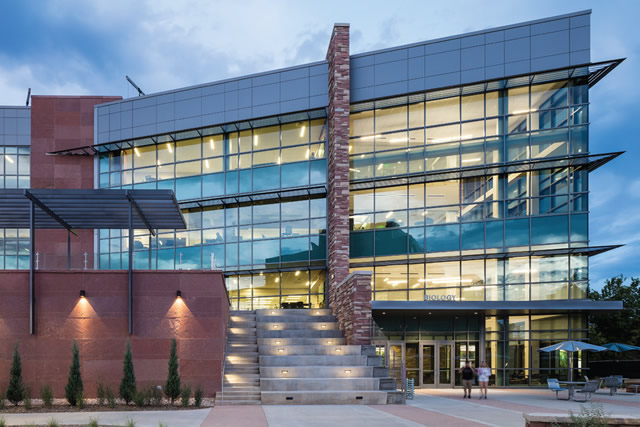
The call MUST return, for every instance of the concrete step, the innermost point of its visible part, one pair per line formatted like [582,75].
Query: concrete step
[292,311]
[318,384]
[301,341]
[237,355]
[249,384]
[242,324]
[313,360]
[241,395]
[240,347]
[242,331]
[318,372]
[235,379]
[288,326]
[294,350]
[296,318]
[332,397]
[299,333]
[233,387]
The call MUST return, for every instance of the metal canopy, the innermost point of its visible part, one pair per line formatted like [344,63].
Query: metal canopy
[90,209]
[495,307]
[314,191]
[587,161]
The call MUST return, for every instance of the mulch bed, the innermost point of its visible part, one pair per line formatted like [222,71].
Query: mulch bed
[91,405]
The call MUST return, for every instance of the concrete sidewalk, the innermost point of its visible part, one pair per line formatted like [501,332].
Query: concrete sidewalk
[434,407]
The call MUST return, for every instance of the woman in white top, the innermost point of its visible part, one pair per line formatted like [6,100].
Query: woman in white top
[483,378]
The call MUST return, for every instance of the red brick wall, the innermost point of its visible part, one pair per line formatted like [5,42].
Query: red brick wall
[99,325]
[338,161]
[352,307]
[59,123]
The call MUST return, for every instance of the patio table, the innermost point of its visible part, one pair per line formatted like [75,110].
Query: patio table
[572,386]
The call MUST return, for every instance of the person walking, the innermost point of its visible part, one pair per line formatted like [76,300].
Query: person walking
[467,373]
[483,378]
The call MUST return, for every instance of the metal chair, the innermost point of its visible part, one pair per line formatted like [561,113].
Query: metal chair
[554,385]
[589,388]
[612,383]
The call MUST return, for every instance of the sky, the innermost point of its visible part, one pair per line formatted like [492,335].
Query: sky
[81,47]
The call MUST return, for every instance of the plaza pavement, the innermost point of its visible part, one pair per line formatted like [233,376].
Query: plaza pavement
[503,408]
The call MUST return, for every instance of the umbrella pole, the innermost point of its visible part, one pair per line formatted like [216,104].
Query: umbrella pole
[570,366]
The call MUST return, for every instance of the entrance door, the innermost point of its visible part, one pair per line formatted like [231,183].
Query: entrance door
[436,364]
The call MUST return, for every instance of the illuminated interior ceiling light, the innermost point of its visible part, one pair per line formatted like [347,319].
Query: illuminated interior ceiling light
[278,160]
[213,147]
[206,164]
[362,156]
[298,273]
[9,159]
[306,156]
[388,215]
[277,279]
[380,166]
[169,147]
[475,159]
[307,284]
[350,148]
[369,137]
[302,129]
[159,163]
[354,170]
[255,140]
[533,110]
[394,140]
[135,149]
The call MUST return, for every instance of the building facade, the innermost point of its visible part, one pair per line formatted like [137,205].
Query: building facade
[455,170]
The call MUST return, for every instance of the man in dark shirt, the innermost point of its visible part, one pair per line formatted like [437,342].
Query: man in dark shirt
[467,373]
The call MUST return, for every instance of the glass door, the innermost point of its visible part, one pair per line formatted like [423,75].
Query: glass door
[436,364]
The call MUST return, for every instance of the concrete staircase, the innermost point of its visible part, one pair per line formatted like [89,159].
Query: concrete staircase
[304,360]
[241,385]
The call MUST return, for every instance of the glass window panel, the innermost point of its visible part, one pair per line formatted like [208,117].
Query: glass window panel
[318,130]
[166,172]
[363,144]
[549,291]
[360,201]
[361,244]
[295,228]
[442,156]
[518,100]
[443,111]
[391,242]
[266,178]
[548,95]
[472,130]
[416,196]
[390,141]
[269,157]
[442,193]
[519,123]
[244,161]
[188,169]
[213,235]
[113,162]
[441,134]
[296,249]
[24,165]
[266,213]
[213,185]
[361,166]
[295,133]
[231,254]
[318,225]
[416,240]
[545,205]
[550,143]
[104,180]
[493,127]
[494,271]
[266,231]
[517,232]
[390,277]
[472,235]
[472,153]
[549,119]
[188,149]
[295,174]
[579,115]
[391,219]
[549,182]
[440,215]
[212,165]
[473,107]
[11,164]
[145,156]
[579,139]
[387,199]
[493,102]
[144,175]
[416,115]
[318,172]
[442,274]
[361,123]
[245,141]
[390,119]
[315,152]
[516,293]
[442,238]
[416,159]
[189,188]
[473,212]
[549,269]
[264,138]
[318,247]
[391,163]
[579,228]
[295,154]
[551,229]
[212,218]
[318,207]
[213,145]
[127,158]
[232,143]
[267,284]
[495,150]
[295,210]
[166,153]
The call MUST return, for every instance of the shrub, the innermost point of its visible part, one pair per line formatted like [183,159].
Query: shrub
[198,394]
[172,388]
[156,396]
[28,404]
[74,386]
[3,423]
[139,399]
[80,401]
[92,422]
[185,395]
[46,394]
[130,423]
[110,397]
[2,397]
[52,423]
[15,391]
[128,383]
[594,416]
[101,393]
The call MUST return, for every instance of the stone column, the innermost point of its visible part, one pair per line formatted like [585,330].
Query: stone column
[338,161]
[352,307]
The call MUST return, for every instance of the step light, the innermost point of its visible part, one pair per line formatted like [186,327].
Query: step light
[284,372]
[347,371]
[83,294]
[277,342]
[329,342]
[338,350]
[324,326]
[275,326]
[281,350]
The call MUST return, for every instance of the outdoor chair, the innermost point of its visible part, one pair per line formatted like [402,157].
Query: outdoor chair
[555,386]
[612,383]
[589,388]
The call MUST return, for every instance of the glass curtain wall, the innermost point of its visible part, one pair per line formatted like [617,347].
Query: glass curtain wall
[15,164]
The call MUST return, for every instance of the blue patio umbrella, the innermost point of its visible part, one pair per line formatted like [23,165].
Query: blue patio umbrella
[571,346]
[618,347]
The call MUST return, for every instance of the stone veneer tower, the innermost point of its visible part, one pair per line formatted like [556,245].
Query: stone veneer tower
[338,161]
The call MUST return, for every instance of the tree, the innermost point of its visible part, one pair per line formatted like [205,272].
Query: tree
[15,391]
[172,388]
[128,383]
[622,326]
[73,389]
